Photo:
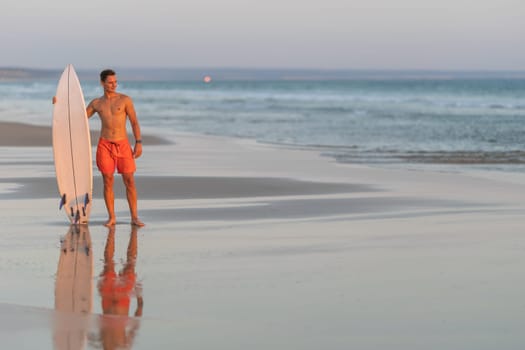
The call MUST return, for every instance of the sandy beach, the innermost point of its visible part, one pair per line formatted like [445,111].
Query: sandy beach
[249,245]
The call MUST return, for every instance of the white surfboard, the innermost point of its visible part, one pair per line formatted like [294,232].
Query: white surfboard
[72,148]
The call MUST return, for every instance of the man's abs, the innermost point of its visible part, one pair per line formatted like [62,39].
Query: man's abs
[113,127]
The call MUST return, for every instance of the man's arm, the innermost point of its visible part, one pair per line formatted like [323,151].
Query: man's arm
[132,115]
[90,110]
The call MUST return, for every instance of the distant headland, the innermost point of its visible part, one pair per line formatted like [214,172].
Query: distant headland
[16,74]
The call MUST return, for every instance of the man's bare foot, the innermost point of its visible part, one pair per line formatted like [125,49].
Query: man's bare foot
[137,222]
[110,222]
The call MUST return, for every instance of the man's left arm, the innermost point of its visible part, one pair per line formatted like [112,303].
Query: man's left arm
[132,115]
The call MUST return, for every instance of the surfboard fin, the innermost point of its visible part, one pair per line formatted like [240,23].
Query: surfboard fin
[84,211]
[86,200]
[62,201]
[72,213]
[77,217]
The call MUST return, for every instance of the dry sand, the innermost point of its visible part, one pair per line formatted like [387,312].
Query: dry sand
[249,246]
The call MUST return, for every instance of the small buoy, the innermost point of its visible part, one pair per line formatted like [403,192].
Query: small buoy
[207,79]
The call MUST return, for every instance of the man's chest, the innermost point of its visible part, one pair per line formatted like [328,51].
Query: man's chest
[111,108]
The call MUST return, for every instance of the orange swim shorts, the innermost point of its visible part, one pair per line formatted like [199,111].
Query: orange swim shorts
[113,155]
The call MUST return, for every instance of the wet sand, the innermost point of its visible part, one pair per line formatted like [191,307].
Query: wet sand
[250,246]
[25,135]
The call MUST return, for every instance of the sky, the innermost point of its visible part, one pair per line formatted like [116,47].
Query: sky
[317,34]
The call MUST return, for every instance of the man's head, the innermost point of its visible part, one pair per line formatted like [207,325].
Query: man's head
[108,80]
[105,73]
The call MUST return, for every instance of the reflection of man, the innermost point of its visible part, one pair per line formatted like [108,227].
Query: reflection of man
[116,291]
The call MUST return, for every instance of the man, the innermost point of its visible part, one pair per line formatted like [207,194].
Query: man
[114,150]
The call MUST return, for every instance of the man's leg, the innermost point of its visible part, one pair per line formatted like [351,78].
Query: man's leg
[109,198]
[131,193]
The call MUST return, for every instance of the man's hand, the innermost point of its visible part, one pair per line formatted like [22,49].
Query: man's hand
[54,99]
[137,152]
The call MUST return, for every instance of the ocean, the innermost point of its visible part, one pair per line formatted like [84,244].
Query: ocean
[413,120]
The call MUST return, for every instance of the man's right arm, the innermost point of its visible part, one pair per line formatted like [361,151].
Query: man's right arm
[90,109]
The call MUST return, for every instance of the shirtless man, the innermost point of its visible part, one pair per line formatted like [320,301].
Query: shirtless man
[114,150]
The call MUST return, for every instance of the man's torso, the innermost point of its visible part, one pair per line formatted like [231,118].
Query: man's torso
[112,112]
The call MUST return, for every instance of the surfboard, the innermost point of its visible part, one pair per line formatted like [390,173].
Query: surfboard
[72,148]
[73,288]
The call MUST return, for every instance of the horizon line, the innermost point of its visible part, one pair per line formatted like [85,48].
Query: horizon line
[312,69]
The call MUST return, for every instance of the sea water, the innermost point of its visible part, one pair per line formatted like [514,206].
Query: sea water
[455,122]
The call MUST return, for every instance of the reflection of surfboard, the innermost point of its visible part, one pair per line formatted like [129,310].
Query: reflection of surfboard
[72,148]
[74,287]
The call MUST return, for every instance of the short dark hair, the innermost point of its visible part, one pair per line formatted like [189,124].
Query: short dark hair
[105,73]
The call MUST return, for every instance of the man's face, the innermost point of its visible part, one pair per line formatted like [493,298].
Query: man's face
[110,84]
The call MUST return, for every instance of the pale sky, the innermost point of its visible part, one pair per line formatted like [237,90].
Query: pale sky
[325,34]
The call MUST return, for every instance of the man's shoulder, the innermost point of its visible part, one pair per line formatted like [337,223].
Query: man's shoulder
[95,101]
[122,98]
